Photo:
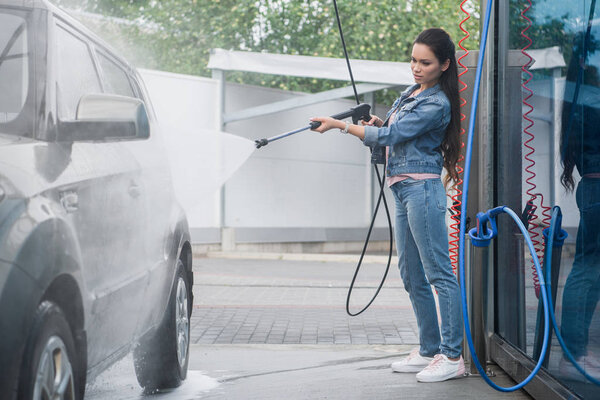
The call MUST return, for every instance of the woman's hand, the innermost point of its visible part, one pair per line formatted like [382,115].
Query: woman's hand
[375,120]
[327,123]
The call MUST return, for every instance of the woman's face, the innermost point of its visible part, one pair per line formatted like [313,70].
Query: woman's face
[425,66]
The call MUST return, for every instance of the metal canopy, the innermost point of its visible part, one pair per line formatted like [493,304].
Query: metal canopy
[301,101]
[377,75]
[392,73]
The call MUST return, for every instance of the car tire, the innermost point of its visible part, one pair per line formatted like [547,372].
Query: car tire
[161,359]
[50,369]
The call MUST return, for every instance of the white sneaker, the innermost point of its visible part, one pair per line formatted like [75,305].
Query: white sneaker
[589,364]
[442,369]
[568,371]
[592,362]
[414,362]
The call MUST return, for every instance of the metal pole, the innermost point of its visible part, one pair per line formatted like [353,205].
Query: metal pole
[369,180]
[555,274]
[479,267]
[467,266]
[227,234]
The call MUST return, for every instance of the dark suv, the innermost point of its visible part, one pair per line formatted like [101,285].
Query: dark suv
[95,255]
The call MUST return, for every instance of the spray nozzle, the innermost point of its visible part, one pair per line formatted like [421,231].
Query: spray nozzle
[260,143]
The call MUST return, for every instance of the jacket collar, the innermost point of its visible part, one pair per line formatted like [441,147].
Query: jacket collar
[424,93]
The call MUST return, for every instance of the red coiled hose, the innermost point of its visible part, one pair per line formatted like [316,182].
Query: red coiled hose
[532,218]
[456,203]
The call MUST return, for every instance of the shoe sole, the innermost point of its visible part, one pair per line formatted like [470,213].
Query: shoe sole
[432,379]
[573,376]
[409,368]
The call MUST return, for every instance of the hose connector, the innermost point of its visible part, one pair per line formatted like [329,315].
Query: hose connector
[559,234]
[482,235]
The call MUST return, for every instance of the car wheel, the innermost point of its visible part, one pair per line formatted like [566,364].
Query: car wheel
[161,360]
[49,369]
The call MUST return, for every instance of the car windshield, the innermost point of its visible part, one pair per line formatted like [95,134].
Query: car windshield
[14,67]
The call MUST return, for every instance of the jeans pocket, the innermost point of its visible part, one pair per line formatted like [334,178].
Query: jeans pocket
[439,193]
[588,194]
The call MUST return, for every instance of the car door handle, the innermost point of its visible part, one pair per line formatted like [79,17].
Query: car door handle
[134,190]
[69,200]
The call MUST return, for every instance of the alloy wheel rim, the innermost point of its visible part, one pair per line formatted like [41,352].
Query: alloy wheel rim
[54,376]
[182,323]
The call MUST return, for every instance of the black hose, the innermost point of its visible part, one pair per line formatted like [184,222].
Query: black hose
[337,16]
[381,181]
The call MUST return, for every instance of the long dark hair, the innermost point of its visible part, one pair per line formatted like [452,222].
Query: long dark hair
[442,46]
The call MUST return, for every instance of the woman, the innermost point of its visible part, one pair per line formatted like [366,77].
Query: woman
[421,133]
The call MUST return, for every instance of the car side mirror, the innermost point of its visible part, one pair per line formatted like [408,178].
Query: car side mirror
[106,117]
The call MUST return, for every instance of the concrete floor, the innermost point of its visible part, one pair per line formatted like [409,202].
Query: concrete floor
[250,343]
[296,372]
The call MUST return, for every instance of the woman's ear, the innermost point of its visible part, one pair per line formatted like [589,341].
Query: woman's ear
[446,64]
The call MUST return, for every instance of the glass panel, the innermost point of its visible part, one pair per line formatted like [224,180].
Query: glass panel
[14,66]
[76,73]
[115,77]
[550,124]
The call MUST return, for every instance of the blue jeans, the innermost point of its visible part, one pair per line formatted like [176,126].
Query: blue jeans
[422,244]
[582,288]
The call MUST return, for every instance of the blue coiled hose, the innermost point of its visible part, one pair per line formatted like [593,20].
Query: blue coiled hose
[490,216]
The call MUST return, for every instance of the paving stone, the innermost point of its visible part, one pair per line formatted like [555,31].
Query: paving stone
[230,308]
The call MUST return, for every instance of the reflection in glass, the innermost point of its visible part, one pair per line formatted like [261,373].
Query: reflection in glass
[565,110]
[580,151]
[14,78]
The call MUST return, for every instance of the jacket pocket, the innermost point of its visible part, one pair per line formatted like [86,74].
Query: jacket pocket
[408,107]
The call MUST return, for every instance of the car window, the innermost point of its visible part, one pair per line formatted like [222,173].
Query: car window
[115,77]
[76,74]
[14,66]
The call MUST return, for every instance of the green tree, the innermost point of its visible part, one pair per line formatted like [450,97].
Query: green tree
[545,29]
[177,35]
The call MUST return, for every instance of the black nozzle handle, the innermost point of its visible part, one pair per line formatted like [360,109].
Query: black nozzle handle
[357,113]
[361,112]
[343,114]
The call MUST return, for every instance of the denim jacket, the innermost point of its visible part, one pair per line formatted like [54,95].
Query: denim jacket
[416,134]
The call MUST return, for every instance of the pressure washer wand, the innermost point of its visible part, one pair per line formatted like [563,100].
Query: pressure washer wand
[359,112]
[263,142]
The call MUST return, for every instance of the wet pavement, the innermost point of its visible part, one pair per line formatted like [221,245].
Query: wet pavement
[271,327]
